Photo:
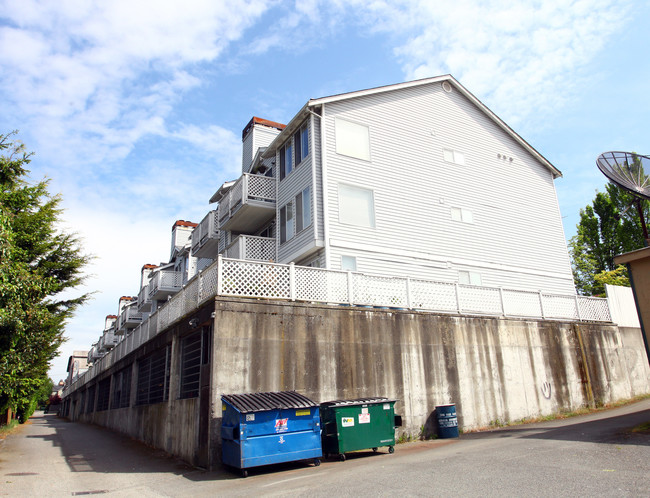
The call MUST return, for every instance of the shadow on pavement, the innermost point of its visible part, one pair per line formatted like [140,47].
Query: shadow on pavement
[91,448]
[608,430]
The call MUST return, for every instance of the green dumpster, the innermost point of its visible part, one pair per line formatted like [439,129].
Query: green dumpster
[358,424]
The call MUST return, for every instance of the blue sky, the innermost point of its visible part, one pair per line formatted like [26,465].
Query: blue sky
[135,108]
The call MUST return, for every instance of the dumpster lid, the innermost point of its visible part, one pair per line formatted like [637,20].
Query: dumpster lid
[358,401]
[260,402]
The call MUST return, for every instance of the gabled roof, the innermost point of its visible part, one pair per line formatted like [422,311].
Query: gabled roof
[312,103]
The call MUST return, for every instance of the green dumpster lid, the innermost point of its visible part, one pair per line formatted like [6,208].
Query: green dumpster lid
[359,401]
[261,402]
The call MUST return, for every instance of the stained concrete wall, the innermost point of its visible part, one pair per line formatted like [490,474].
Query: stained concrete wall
[492,368]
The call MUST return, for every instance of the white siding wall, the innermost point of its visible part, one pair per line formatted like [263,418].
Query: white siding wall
[516,219]
[300,178]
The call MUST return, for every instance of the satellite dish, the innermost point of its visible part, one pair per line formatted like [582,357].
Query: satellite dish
[627,170]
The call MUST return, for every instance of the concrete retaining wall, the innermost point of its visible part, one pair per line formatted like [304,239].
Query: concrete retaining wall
[493,369]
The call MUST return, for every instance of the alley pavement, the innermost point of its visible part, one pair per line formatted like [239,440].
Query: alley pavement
[596,454]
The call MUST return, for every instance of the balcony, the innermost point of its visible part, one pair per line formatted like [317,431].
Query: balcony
[94,354]
[144,301]
[130,318]
[107,342]
[252,248]
[248,205]
[205,237]
[165,283]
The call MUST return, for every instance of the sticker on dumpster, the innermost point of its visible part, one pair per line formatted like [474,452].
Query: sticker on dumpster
[347,422]
[281,425]
[300,413]
[364,418]
[386,406]
[250,417]
[364,409]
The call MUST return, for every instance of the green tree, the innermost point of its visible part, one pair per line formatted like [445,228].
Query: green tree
[37,264]
[609,226]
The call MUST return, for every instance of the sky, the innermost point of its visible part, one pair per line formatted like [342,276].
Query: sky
[134,109]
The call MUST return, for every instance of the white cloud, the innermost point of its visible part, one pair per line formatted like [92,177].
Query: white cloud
[90,79]
[523,57]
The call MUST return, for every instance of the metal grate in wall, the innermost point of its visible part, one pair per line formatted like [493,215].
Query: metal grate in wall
[121,388]
[153,378]
[103,394]
[191,366]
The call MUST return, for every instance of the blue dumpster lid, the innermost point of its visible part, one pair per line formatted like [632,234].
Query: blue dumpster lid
[358,401]
[260,402]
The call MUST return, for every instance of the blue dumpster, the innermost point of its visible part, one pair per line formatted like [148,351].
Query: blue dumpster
[266,428]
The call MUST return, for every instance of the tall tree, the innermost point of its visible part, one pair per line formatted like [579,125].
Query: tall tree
[610,225]
[37,264]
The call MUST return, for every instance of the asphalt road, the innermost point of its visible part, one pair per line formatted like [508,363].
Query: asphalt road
[593,455]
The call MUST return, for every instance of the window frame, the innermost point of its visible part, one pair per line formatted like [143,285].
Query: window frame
[345,220]
[303,210]
[286,160]
[461,215]
[348,266]
[453,156]
[301,144]
[287,220]
[342,145]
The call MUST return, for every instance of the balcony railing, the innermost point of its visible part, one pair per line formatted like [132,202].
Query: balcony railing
[205,237]
[252,248]
[108,341]
[130,318]
[144,301]
[249,204]
[165,283]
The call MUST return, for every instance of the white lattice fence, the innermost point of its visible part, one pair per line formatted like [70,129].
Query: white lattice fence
[521,303]
[475,299]
[593,308]
[318,285]
[559,306]
[208,280]
[259,248]
[248,279]
[379,291]
[427,295]
[261,187]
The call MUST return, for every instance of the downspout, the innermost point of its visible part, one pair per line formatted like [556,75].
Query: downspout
[312,143]
[590,391]
[323,162]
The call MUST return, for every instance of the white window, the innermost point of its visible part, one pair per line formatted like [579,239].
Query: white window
[303,209]
[356,206]
[301,141]
[285,160]
[461,214]
[349,263]
[453,156]
[286,222]
[352,139]
[469,277]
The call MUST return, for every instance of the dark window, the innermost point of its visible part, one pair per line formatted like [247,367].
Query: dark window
[90,400]
[301,144]
[103,394]
[195,352]
[285,160]
[286,222]
[153,378]
[121,388]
